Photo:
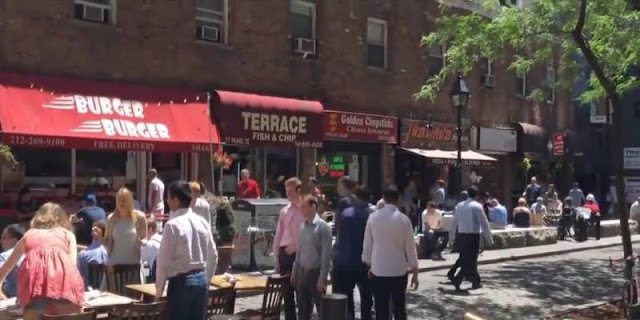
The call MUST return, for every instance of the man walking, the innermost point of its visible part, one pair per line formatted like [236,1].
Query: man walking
[187,258]
[346,186]
[313,260]
[532,191]
[155,200]
[469,220]
[285,242]
[439,197]
[390,252]
[576,195]
[348,269]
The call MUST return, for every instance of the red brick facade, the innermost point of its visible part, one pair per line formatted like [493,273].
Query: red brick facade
[153,43]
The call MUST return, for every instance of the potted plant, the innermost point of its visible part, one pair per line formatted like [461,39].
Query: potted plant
[226,235]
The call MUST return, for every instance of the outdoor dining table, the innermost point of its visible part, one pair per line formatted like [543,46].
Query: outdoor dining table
[102,303]
[243,283]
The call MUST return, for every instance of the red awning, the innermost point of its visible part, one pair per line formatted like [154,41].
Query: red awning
[250,119]
[43,111]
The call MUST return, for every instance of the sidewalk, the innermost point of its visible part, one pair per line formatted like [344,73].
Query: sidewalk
[497,256]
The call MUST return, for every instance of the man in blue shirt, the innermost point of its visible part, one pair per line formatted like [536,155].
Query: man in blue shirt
[348,268]
[10,237]
[89,214]
[497,215]
[94,253]
[469,221]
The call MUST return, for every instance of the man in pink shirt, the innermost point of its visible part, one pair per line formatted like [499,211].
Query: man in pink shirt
[285,243]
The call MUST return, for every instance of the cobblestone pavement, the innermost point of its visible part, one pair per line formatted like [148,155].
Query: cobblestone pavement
[526,289]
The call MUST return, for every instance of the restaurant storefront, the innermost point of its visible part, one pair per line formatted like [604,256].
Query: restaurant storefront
[500,143]
[428,153]
[356,145]
[275,138]
[75,136]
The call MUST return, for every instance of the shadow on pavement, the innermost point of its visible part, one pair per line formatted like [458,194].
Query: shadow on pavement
[522,290]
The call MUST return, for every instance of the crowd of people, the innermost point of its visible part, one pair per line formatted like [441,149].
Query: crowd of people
[47,270]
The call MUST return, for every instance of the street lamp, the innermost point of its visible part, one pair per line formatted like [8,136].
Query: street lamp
[459,95]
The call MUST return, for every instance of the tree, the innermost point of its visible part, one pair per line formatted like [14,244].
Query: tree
[606,33]
[6,157]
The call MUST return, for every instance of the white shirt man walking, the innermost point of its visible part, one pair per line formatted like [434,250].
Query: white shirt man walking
[155,199]
[390,251]
[469,220]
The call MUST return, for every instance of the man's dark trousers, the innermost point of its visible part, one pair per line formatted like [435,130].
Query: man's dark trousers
[469,245]
[345,280]
[187,296]
[285,262]
[394,288]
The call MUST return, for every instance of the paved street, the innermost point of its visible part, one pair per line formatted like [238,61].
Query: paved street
[526,289]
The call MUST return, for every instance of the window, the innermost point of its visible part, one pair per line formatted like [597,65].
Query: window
[303,26]
[521,84]
[211,20]
[45,163]
[436,59]
[551,85]
[377,43]
[486,65]
[511,3]
[101,11]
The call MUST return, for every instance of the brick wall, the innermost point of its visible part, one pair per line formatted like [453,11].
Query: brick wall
[153,43]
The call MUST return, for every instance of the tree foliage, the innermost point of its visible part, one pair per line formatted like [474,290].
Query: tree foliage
[539,34]
[6,157]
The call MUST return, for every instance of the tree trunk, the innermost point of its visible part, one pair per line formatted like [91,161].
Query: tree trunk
[618,171]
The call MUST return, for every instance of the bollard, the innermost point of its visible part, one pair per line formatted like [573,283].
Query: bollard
[333,307]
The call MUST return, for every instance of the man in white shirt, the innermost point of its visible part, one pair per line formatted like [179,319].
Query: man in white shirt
[187,258]
[151,248]
[155,200]
[390,252]
[431,225]
[199,205]
[468,221]
[634,211]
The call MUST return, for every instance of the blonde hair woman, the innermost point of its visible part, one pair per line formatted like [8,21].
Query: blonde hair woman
[48,279]
[126,231]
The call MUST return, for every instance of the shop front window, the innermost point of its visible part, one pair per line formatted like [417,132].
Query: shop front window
[281,165]
[45,163]
[168,165]
[100,170]
[331,166]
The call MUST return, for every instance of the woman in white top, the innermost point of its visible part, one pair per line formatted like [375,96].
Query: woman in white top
[126,231]
[431,224]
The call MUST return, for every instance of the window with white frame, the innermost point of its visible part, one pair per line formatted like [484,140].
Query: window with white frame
[100,11]
[551,84]
[521,84]
[376,43]
[511,3]
[436,58]
[211,20]
[303,26]
[486,65]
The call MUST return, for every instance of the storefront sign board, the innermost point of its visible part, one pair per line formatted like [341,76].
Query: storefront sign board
[63,117]
[558,144]
[632,158]
[431,135]
[360,127]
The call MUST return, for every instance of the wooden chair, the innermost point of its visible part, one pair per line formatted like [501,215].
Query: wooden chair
[140,311]
[120,275]
[95,275]
[221,301]
[272,299]
[88,314]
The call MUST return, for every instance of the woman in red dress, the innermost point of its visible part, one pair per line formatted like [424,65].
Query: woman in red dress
[48,279]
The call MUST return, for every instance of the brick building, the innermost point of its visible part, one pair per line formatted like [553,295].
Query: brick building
[249,46]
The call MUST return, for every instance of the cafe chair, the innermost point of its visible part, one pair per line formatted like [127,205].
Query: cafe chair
[221,301]
[121,275]
[140,311]
[272,299]
[95,275]
[87,314]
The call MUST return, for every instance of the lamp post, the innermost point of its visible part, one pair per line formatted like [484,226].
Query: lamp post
[459,95]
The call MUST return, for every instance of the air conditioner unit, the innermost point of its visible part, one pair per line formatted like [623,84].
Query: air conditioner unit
[92,13]
[210,33]
[488,80]
[304,46]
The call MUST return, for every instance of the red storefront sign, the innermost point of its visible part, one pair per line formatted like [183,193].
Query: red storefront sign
[558,144]
[249,119]
[431,135]
[67,113]
[360,127]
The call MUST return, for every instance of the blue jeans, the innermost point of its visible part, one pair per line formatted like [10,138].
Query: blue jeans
[187,296]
